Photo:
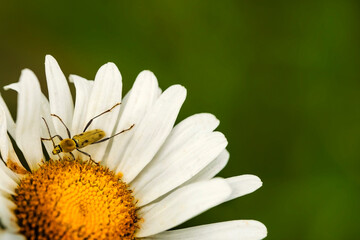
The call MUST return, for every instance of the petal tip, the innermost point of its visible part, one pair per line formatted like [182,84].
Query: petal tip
[111,66]
[146,74]
[260,228]
[178,88]
[74,77]
[222,137]
[255,180]
[49,59]
[26,73]
[147,77]
[108,69]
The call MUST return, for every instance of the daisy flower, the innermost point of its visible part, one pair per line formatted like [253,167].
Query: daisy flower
[139,184]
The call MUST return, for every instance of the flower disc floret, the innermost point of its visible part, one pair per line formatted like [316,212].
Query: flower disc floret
[70,199]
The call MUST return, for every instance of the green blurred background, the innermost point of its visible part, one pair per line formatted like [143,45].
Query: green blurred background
[283,78]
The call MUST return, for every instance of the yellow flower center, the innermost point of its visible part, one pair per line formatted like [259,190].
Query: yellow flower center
[70,199]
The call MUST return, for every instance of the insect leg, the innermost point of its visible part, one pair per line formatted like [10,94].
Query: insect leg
[72,155]
[85,153]
[91,120]
[105,139]
[51,138]
[68,131]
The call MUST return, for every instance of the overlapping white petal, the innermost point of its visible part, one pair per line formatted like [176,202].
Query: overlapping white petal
[83,90]
[232,230]
[165,174]
[7,216]
[6,235]
[8,179]
[182,133]
[207,173]
[9,120]
[61,102]
[181,205]
[242,185]
[141,98]
[28,120]
[105,93]
[6,148]
[186,130]
[46,114]
[211,169]
[151,132]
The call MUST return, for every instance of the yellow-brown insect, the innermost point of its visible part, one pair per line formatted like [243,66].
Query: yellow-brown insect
[81,140]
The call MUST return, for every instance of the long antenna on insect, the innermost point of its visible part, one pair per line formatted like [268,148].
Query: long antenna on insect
[48,129]
[91,120]
[105,139]
[67,130]
[51,137]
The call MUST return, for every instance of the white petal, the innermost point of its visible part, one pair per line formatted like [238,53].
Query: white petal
[28,117]
[9,120]
[181,205]
[232,230]
[141,98]
[5,235]
[61,102]
[8,179]
[182,133]
[164,174]
[211,169]
[7,216]
[45,113]
[105,93]
[110,163]
[124,101]
[6,148]
[186,130]
[242,185]
[83,90]
[151,132]
[159,91]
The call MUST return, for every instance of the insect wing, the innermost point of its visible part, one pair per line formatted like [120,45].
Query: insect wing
[88,137]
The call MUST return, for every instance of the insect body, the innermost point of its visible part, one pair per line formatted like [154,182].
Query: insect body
[81,140]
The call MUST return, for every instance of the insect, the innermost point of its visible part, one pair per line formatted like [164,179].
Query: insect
[81,140]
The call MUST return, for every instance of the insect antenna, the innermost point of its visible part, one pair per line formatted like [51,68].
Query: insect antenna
[67,130]
[91,120]
[105,139]
[51,137]
[48,129]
